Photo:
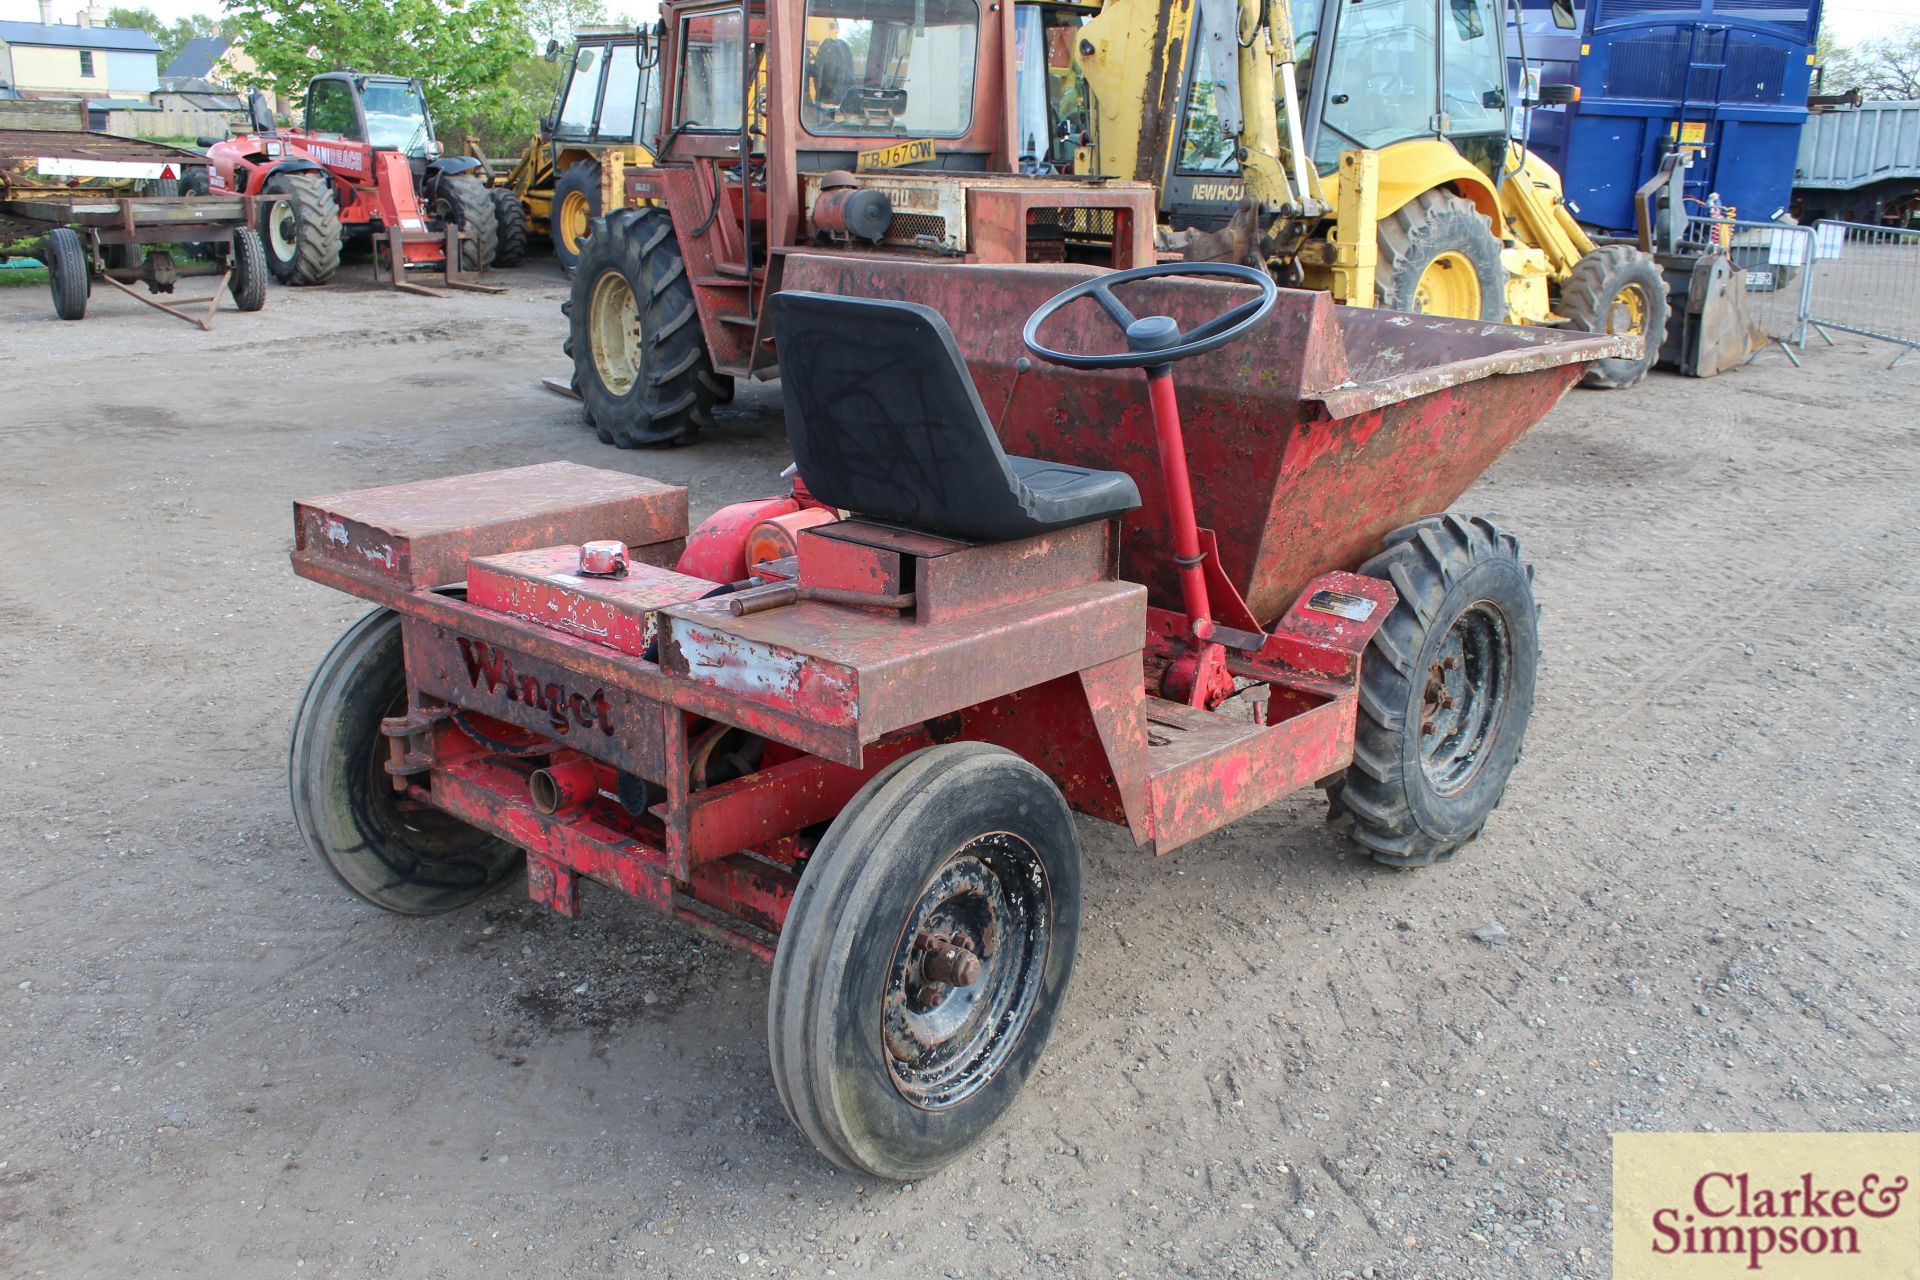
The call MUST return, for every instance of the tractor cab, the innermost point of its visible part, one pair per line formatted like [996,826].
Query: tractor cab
[386,113]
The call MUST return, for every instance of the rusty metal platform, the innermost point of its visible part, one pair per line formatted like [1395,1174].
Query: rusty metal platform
[28,145]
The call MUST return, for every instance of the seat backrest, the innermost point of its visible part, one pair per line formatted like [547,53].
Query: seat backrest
[883,417]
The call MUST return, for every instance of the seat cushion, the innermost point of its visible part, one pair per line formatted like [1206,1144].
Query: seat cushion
[1060,494]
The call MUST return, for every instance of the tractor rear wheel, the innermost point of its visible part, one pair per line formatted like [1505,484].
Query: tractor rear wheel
[67,273]
[462,199]
[1446,689]
[576,203]
[639,355]
[248,262]
[404,857]
[510,218]
[924,960]
[1617,289]
[1439,257]
[301,234]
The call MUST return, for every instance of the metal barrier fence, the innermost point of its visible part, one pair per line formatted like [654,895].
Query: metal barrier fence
[1866,281]
[1777,260]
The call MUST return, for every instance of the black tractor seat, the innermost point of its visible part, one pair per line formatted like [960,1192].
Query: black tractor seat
[885,422]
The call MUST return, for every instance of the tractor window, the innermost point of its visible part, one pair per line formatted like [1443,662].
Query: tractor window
[712,92]
[890,68]
[330,110]
[583,89]
[621,96]
[1205,146]
[1473,87]
[1380,76]
[396,117]
[1052,97]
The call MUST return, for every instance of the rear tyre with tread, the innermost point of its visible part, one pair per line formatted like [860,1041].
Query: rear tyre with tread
[576,206]
[890,1067]
[67,273]
[510,222]
[1617,289]
[639,355]
[462,199]
[1426,240]
[301,235]
[248,284]
[413,861]
[1446,691]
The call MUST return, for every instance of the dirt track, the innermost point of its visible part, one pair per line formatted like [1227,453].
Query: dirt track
[1277,1058]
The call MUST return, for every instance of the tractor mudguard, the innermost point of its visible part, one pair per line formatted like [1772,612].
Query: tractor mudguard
[1409,168]
[292,164]
[447,166]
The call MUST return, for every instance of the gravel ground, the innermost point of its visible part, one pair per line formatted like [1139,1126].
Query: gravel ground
[1277,1058]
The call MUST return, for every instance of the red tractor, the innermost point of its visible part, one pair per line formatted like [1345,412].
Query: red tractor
[366,162]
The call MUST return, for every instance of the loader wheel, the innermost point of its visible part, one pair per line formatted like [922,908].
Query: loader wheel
[406,858]
[196,180]
[924,959]
[1446,689]
[576,203]
[462,199]
[301,235]
[67,273]
[634,334]
[1439,257]
[510,218]
[1617,289]
[248,262]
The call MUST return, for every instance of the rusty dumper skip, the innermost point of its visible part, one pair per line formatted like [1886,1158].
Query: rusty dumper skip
[856,751]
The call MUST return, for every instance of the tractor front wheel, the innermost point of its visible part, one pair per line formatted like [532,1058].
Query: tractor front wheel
[1439,257]
[510,217]
[1446,690]
[639,356]
[391,851]
[576,203]
[301,234]
[1617,289]
[463,200]
[924,959]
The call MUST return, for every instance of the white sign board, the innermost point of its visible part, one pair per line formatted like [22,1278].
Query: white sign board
[58,167]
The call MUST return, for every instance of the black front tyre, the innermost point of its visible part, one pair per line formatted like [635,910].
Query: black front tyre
[248,263]
[576,205]
[1617,289]
[410,860]
[634,335]
[67,273]
[924,960]
[1446,690]
[462,199]
[510,220]
[301,234]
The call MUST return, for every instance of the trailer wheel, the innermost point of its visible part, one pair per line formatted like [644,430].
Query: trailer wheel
[302,234]
[638,352]
[67,273]
[1439,257]
[576,203]
[410,860]
[462,199]
[1446,690]
[924,959]
[510,218]
[1617,289]
[248,261]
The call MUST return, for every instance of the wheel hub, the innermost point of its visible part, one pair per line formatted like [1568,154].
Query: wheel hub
[1627,313]
[1448,287]
[966,971]
[1465,697]
[574,213]
[613,332]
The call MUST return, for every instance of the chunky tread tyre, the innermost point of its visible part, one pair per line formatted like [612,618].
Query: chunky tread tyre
[410,861]
[825,1025]
[1443,567]
[309,252]
[582,179]
[1586,300]
[67,273]
[1433,223]
[462,199]
[510,221]
[248,283]
[672,392]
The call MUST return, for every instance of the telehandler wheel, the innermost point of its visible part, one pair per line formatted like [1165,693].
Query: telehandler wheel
[462,199]
[248,261]
[924,959]
[510,217]
[1446,689]
[1439,257]
[634,334]
[1617,289]
[408,859]
[301,235]
[67,273]
[576,203]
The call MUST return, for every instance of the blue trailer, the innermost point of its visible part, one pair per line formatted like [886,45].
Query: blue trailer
[1727,79]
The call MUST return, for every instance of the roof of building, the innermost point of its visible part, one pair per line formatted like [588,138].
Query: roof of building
[197,57]
[62,36]
[207,101]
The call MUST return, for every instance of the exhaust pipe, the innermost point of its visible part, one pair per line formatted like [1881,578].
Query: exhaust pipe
[560,787]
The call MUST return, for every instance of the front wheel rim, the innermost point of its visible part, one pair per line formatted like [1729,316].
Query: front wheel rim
[283,230]
[966,972]
[1449,286]
[574,216]
[613,319]
[1464,703]
[1627,313]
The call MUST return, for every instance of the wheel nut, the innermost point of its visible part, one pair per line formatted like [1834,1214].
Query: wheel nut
[955,966]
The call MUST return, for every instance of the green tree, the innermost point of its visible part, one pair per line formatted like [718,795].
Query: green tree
[1881,67]
[463,52]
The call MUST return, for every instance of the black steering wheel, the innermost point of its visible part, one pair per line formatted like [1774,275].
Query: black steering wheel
[1153,342]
